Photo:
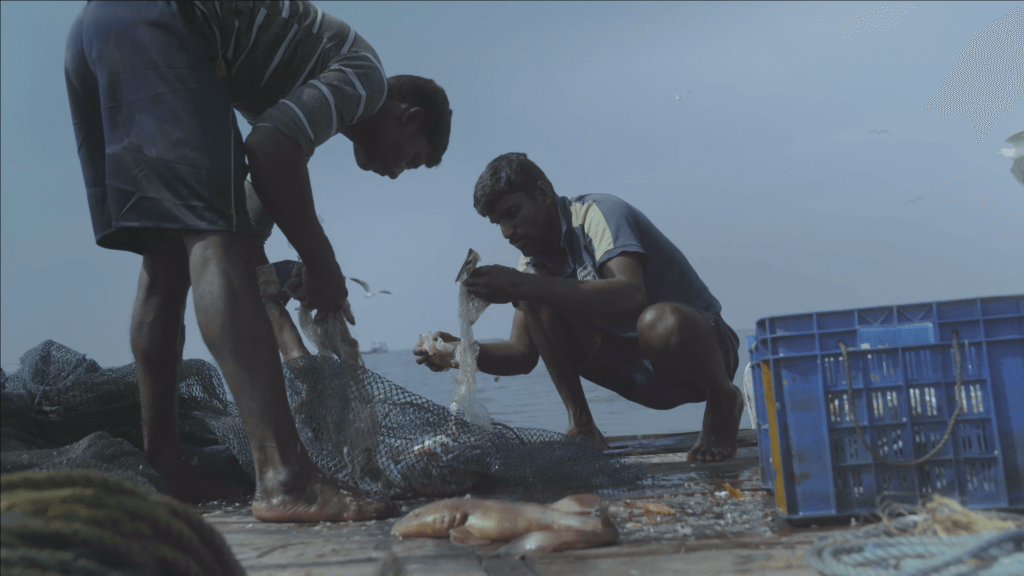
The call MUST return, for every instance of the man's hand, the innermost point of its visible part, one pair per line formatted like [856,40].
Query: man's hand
[321,288]
[498,284]
[438,362]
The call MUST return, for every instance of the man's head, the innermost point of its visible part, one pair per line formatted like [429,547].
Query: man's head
[514,193]
[410,129]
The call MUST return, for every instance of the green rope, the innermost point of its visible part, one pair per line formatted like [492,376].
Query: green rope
[74,521]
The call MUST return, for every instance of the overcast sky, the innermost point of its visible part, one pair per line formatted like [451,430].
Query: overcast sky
[740,129]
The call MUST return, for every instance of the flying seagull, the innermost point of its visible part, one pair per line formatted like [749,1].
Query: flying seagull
[877,131]
[1017,153]
[369,293]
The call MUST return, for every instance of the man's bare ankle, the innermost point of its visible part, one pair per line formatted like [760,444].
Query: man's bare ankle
[166,457]
[292,478]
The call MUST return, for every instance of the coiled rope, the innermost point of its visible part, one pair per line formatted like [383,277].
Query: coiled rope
[80,522]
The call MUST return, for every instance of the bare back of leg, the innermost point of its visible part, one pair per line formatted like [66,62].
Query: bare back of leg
[157,339]
[682,344]
[237,330]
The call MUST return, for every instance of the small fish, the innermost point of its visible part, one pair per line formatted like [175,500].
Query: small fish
[440,445]
[468,266]
[569,523]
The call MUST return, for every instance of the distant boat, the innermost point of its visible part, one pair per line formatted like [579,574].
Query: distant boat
[378,348]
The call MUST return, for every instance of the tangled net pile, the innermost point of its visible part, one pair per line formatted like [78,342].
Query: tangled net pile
[62,410]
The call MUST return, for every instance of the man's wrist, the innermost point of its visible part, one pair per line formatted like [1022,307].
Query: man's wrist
[317,254]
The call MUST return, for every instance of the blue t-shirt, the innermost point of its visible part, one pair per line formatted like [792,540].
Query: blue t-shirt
[599,227]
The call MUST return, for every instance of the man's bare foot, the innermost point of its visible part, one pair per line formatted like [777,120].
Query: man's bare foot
[717,439]
[324,500]
[589,433]
[190,486]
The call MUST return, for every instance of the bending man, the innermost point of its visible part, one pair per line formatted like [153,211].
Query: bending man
[153,88]
[602,294]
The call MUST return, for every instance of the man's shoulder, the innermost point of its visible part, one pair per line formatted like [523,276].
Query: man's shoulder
[589,209]
[598,198]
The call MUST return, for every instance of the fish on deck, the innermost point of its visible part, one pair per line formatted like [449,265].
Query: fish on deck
[571,523]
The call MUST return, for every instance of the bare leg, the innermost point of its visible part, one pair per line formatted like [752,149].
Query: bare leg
[289,341]
[564,345]
[157,338]
[285,332]
[235,327]
[683,345]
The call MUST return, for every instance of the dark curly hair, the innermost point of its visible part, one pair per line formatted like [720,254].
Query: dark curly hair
[507,174]
[426,94]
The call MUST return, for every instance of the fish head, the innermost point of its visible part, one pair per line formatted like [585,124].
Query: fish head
[472,259]
[432,521]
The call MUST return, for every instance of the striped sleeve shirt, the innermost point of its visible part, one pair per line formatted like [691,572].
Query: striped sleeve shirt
[292,66]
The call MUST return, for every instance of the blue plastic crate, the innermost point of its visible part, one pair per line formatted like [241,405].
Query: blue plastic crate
[904,380]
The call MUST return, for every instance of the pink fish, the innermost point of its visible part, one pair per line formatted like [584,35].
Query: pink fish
[570,523]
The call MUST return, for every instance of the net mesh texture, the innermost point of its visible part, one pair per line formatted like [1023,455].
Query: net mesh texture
[62,410]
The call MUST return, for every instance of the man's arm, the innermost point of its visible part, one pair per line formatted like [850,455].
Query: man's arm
[617,296]
[281,180]
[516,356]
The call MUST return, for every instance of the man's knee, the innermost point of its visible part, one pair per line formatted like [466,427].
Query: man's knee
[668,325]
[220,254]
[165,270]
[535,313]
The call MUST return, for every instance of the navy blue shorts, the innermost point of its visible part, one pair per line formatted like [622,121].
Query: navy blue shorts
[156,132]
[619,366]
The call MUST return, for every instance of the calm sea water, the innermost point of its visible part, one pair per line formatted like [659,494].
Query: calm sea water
[532,401]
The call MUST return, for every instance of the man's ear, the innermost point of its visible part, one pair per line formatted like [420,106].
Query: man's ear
[544,192]
[412,115]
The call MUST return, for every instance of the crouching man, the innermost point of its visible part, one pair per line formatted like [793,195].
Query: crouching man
[602,294]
